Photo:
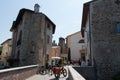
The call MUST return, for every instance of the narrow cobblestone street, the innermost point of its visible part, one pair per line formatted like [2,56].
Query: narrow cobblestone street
[48,77]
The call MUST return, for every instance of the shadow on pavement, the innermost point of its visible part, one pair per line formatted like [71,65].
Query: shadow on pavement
[57,79]
[67,79]
[54,79]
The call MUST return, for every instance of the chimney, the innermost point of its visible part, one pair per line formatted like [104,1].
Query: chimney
[36,8]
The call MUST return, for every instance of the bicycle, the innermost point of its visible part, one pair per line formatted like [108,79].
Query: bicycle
[57,71]
[41,70]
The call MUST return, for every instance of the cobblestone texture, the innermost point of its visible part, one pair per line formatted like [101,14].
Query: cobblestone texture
[48,77]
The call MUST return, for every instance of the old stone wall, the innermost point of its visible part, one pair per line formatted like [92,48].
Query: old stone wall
[34,45]
[87,72]
[19,73]
[6,51]
[105,41]
[49,29]
[31,38]
[32,42]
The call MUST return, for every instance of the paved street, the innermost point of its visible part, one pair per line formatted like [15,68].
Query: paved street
[47,77]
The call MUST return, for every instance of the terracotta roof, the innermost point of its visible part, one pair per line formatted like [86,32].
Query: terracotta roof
[20,15]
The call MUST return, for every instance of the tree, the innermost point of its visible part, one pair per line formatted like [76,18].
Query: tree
[69,55]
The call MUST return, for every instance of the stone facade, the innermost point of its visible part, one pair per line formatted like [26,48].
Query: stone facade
[104,15]
[6,51]
[32,38]
[61,42]
[63,48]
[19,73]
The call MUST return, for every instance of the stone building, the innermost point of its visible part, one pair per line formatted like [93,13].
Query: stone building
[75,43]
[6,51]
[54,43]
[32,38]
[61,42]
[63,48]
[101,27]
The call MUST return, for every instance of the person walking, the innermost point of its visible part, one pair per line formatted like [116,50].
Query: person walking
[88,63]
[80,62]
[83,63]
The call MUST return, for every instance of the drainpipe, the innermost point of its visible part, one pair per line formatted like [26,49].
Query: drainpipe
[91,55]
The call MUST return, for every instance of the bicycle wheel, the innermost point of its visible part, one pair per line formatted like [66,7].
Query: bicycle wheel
[57,76]
[50,72]
[38,71]
[64,72]
[42,71]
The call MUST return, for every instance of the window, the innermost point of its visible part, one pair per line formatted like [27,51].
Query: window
[48,39]
[20,22]
[47,57]
[48,26]
[32,47]
[19,39]
[118,27]
[81,41]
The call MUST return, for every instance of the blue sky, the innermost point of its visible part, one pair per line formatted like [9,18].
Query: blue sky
[66,14]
